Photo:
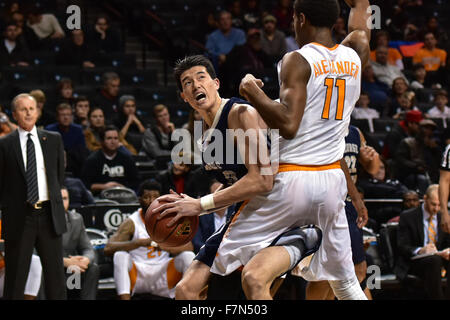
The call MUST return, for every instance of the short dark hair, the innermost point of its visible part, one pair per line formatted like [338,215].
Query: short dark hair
[189,62]
[103,132]
[150,184]
[322,13]
[79,99]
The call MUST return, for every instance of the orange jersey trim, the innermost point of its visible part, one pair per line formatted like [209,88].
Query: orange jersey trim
[133,273]
[286,167]
[331,49]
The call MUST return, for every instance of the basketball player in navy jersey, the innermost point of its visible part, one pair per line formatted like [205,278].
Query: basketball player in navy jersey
[356,151]
[242,180]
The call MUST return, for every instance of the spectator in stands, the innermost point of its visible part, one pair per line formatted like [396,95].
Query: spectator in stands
[408,127]
[45,26]
[383,71]
[64,91]
[420,75]
[339,30]
[77,52]
[440,109]
[273,41]
[12,52]
[248,58]
[128,122]
[25,35]
[73,138]
[6,126]
[108,96]
[252,14]
[108,168]
[237,15]
[430,56]
[157,141]
[96,126]
[182,178]
[420,233]
[102,37]
[284,12]
[378,91]
[406,102]
[46,117]
[79,256]
[410,201]
[205,26]
[444,188]
[209,223]
[381,185]
[417,158]
[433,59]
[363,110]
[394,56]
[291,44]
[432,25]
[81,108]
[221,41]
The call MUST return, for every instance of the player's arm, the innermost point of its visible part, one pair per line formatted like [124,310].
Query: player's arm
[176,250]
[444,186]
[368,156]
[359,32]
[360,207]
[287,114]
[253,183]
[121,240]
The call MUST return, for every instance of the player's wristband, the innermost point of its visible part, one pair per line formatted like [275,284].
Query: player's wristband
[207,202]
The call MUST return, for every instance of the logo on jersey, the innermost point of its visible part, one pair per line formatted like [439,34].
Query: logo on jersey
[257,146]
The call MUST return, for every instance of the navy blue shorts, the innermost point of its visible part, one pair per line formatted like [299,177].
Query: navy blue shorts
[208,251]
[356,234]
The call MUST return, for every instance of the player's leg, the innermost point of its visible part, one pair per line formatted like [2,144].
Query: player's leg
[122,267]
[259,273]
[2,281]
[319,290]
[349,289]
[285,252]
[194,282]
[361,274]
[34,278]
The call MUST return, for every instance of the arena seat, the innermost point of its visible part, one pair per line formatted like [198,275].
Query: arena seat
[376,140]
[361,124]
[121,60]
[53,73]
[138,77]
[21,75]
[384,125]
[93,76]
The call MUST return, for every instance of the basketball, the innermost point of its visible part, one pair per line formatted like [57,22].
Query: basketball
[179,234]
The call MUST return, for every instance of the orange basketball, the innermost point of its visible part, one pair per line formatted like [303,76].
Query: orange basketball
[179,234]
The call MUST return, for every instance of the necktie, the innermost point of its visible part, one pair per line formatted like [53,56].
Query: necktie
[431,231]
[31,173]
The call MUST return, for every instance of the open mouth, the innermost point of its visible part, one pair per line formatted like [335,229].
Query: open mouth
[200,96]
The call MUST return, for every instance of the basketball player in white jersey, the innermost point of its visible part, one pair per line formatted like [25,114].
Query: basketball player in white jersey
[319,86]
[140,265]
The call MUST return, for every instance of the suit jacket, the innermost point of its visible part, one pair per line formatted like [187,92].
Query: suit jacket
[75,240]
[410,236]
[13,186]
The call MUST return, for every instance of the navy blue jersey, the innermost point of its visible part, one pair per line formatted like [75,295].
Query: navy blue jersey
[226,170]
[351,153]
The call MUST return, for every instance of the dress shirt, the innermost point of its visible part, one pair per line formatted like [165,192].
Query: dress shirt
[426,217]
[40,165]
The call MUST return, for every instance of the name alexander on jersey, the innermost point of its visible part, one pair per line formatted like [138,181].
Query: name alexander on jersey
[336,67]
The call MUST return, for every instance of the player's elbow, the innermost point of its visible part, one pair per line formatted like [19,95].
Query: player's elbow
[108,251]
[288,132]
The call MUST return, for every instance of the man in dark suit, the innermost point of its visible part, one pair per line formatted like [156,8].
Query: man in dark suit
[32,172]
[79,256]
[420,233]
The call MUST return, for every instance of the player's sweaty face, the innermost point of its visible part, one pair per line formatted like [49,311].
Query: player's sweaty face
[199,89]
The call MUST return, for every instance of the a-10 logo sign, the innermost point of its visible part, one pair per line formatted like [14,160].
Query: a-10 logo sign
[73,22]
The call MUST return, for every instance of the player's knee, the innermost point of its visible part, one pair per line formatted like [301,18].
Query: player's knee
[252,281]
[120,258]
